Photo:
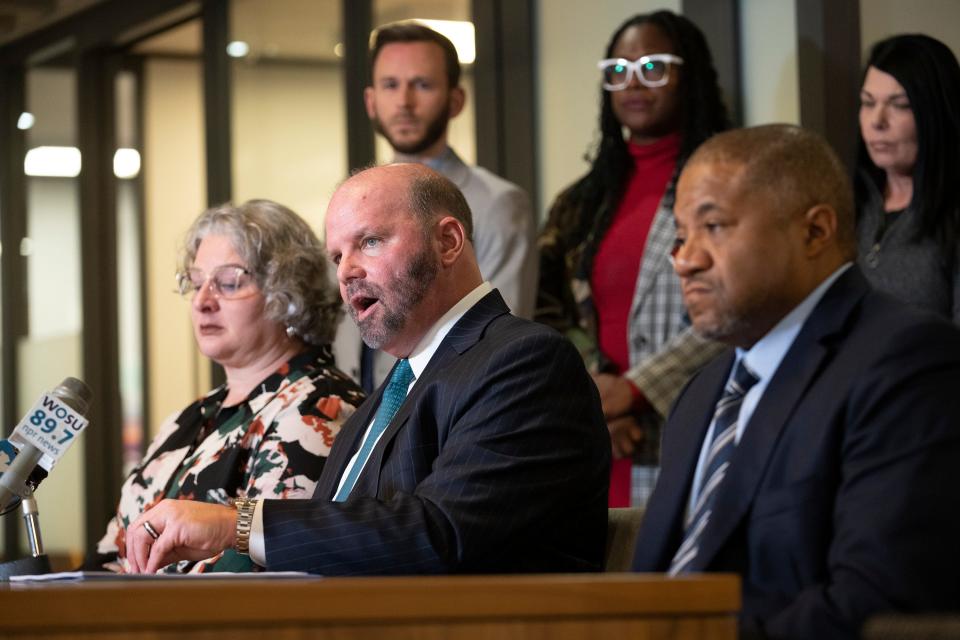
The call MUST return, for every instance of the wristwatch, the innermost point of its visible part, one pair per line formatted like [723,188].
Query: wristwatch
[245,508]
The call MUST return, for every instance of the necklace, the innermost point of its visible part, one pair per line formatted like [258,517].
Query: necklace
[872,259]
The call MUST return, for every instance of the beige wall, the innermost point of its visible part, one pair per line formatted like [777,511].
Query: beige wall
[937,18]
[289,130]
[768,67]
[175,193]
[769,53]
[571,37]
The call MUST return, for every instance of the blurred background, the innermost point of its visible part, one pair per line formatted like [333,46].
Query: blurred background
[120,121]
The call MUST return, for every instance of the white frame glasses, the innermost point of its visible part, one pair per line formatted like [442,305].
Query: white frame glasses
[634,69]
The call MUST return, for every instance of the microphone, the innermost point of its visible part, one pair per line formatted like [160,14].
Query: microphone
[42,437]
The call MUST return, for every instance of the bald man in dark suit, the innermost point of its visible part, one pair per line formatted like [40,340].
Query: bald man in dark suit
[485,451]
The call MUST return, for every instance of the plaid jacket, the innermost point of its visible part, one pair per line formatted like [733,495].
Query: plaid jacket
[664,350]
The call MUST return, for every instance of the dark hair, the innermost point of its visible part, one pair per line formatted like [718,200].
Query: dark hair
[794,169]
[703,114]
[415,32]
[929,73]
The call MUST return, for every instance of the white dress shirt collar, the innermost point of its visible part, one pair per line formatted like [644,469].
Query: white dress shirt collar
[764,357]
[423,352]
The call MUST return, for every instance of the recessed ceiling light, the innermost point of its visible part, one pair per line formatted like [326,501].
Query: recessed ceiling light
[25,121]
[238,49]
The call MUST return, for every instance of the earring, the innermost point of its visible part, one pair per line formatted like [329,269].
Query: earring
[291,332]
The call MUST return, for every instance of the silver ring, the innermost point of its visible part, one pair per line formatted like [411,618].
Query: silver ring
[153,532]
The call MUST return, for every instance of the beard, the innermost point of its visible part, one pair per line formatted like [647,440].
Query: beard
[397,299]
[737,323]
[436,129]
[727,328]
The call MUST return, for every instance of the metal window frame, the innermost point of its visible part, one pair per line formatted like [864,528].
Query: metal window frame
[828,65]
[91,40]
[13,286]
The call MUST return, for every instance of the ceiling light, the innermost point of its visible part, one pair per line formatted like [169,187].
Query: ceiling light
[460,32]
[238,49]
[126,163]
[52,162]
[65,162]
[25,121]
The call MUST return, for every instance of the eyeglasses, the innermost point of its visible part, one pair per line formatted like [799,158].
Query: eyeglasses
[651,71]
[227,282]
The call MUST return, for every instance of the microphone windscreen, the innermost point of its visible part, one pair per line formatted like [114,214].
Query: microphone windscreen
[75,393]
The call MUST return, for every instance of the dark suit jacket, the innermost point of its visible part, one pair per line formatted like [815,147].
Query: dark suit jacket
[841,498]
[497,461]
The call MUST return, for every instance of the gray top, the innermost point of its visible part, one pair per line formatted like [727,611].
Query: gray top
[911,268]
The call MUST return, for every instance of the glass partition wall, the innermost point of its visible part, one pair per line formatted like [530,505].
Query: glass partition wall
[174,194]
[141,104]
[51,347]
[127,163]
[174,105]
[289,128]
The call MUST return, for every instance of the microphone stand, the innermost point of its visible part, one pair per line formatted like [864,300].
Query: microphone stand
[38,562]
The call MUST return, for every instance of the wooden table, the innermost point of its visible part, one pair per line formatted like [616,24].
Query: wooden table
[594,607]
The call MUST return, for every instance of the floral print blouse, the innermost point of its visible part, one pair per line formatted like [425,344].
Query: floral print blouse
[272,445]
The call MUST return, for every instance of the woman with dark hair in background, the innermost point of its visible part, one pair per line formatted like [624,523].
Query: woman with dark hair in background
[605,275]
[908,172]
[263,308]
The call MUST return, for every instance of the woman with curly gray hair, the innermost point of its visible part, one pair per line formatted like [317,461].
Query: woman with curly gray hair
[263,308]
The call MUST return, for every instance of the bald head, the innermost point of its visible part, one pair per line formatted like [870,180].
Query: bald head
[792,168]
[399,235]
[430,194]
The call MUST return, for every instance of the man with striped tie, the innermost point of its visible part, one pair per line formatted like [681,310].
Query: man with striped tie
[818,458]
[485,451]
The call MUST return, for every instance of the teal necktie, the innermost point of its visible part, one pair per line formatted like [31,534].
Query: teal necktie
[393,397]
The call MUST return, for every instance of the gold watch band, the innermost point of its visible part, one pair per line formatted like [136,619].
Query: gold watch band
[245,508]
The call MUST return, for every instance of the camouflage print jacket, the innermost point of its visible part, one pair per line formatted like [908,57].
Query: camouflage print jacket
[664,350]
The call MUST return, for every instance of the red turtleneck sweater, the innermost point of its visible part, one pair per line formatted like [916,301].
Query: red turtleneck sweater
[616,267]
[617,262]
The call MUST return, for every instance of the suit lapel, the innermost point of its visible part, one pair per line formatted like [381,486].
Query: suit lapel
[345,445]
[463,335]
[683,439]
[810,351]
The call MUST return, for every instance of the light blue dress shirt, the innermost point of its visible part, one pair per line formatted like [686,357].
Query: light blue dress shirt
[763,359]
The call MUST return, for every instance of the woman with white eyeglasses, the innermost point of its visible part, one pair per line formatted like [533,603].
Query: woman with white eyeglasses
[605,274]
[263,308]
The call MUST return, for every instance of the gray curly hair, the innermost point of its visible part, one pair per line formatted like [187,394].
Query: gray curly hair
[284,256]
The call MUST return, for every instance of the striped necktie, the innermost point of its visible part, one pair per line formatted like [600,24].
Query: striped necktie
[393,396]
[725,419]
